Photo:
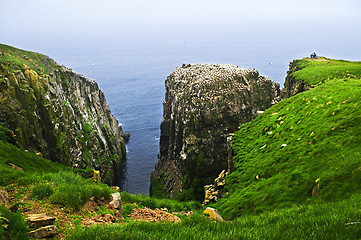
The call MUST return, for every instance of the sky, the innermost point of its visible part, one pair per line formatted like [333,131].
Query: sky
[37,22]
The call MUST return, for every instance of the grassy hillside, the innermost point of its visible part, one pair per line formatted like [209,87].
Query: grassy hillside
[317,71]
[13,59]
[307,143]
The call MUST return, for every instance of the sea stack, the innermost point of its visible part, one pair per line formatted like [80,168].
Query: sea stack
[204,104]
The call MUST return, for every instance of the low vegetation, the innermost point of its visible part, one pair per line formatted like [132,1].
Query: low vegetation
[151,202]
[12,225]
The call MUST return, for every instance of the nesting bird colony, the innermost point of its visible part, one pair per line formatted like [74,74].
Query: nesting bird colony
[202,86]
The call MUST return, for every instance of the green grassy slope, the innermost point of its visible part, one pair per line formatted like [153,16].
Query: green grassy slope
[18,58]
[313,136]
[320,70]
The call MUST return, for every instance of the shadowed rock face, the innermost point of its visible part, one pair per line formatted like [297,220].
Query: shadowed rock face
[60,114]
[291,85]
[203,104]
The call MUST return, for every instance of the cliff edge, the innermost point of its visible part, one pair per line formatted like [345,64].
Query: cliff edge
[58,113]
[203,104]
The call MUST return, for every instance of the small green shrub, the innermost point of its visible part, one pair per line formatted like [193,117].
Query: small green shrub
[9,175]
[128,208]
[99,190]
[70,195]
[41,191]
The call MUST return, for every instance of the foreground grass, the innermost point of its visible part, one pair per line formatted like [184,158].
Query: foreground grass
[323,220]
[12,225]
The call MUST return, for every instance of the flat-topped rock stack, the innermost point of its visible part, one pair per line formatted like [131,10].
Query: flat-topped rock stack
[203,104]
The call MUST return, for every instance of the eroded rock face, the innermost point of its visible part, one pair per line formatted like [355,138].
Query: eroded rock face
[59,113]
[203,104]
[291,85]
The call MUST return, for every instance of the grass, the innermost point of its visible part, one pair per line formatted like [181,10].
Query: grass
[151,202]
[12,225]
[20,58]
[315,72]
[61,184]
[311,136]
[324,220]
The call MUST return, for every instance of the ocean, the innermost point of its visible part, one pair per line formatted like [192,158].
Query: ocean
[132,76]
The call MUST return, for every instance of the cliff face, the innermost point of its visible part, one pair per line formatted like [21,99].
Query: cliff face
[291,85]
[203,104]
[58,113]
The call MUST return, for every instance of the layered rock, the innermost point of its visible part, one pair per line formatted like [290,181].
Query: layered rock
[58,113]
[293,86]
[203,104]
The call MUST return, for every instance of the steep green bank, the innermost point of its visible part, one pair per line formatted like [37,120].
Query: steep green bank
[307,73]
[304,148]
[58,113]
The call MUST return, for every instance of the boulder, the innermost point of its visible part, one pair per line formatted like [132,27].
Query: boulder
[213,214]
[44,232]
[39,220]
[215,190]
[116,202]
[90,206]
[15,167]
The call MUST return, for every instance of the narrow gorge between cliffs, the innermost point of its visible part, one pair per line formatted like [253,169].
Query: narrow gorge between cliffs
[135,89]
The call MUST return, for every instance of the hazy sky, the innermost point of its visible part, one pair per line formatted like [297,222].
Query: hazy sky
[40,20]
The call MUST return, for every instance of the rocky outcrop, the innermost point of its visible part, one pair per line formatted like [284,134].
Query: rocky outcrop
[293,86]
[203,104]
[58,113]
[216,190]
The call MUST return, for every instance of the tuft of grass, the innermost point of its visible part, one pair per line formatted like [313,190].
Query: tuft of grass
[41,191]
[151,202]
[72,190]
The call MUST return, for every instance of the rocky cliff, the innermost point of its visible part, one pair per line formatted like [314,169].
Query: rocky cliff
[292,86]
[203,104]
[58,113]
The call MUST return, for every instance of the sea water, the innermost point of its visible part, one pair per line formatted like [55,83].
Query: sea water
[132,76]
